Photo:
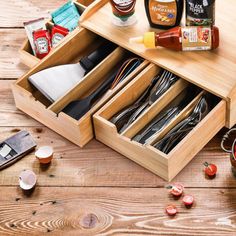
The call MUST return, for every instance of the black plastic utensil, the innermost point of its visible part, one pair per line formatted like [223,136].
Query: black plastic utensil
[92,60]
[76,109]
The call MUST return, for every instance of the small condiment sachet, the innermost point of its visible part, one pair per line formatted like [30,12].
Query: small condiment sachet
[66,16]
[42,43]
[30,27]
[58,33]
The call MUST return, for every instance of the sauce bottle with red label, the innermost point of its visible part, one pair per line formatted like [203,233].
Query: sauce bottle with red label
[164,14]
[189,38]
[123,12]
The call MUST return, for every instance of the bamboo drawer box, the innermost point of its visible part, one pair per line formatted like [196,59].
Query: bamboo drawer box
[26,54]
[31,101]
[210,73]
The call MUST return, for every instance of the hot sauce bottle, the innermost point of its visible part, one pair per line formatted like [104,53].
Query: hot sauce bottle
[189,38]
[164,14]
[123,12]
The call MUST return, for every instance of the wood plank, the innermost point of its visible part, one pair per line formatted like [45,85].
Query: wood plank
[11,41]
[115,211]
[14,12]
[98,165]
[10,115]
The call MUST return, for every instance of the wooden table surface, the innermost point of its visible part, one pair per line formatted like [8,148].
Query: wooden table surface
[94,190]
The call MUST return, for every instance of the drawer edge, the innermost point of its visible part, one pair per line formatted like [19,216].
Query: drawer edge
[185,151]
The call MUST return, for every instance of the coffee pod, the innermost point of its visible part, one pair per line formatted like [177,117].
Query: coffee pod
[44,154]
[27,179]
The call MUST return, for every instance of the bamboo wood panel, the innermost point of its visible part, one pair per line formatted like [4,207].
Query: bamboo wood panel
[211,74]
[9,114]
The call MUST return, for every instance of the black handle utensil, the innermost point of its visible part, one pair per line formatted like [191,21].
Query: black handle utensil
[90,61]
[76,109]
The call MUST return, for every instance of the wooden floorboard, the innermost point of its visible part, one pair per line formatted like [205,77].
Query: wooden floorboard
[95,190]
[14,13]
[116,211]
[98,165]
[10,65]
[9,114]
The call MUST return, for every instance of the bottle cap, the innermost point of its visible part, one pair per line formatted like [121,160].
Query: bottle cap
[148,39]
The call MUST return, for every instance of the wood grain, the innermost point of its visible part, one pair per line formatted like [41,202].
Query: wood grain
[10,115]
[14,13]
[98,165]
[11,40]
[132,200]
[129,211]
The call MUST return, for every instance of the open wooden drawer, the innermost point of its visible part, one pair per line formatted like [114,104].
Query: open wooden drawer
[26,54]
[165,165]
[32,102]
[214,71]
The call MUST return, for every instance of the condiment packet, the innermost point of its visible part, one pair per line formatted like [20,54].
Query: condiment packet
[42,42]
[58,33]
[32,26]
[66,16]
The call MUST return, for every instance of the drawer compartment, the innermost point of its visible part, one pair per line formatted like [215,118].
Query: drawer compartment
[26,54]
[166,165]
[34,103]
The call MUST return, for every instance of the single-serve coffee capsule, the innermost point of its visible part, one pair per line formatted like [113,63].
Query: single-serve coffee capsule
[44,154]
[27,179]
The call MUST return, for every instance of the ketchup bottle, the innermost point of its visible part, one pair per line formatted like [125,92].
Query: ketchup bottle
[190,38]
[123,12]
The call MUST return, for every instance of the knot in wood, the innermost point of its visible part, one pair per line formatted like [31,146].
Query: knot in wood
[89,221]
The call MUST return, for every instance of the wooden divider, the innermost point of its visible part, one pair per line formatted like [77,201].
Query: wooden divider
[91,81]
[64,54]
[131,92]
[26,53]
[155,108]
[181,116]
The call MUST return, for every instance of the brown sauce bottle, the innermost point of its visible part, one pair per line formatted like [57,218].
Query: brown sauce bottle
[164,14]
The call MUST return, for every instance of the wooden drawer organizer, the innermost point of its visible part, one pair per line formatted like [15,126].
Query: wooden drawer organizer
[26,54]
[31,101]
[214,72]
[165,165]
